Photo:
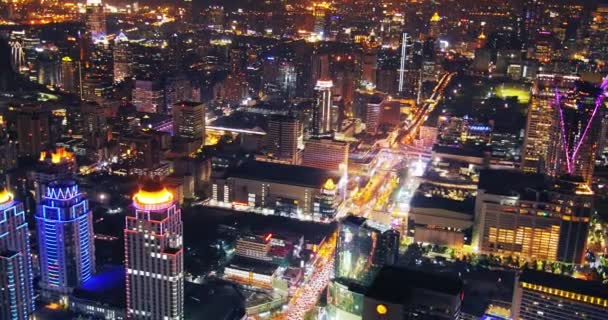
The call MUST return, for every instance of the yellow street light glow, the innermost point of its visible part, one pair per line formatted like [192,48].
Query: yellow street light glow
[153,197]
[381,309]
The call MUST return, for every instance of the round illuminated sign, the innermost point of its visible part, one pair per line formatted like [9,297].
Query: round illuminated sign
[381,309]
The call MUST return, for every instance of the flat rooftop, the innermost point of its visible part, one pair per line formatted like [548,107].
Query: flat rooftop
[252,265]
[397,285]
[107,286]
[590,288]
[283,173]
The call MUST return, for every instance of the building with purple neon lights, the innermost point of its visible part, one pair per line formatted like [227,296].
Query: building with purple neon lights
[17,294]
[574,137]
[65,237]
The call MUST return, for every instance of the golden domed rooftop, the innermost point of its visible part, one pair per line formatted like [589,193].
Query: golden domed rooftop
[153,193]
[436,17]
[329,184]
[5,196]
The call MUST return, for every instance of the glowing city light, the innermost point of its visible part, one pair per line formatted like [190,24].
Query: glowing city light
[144,197]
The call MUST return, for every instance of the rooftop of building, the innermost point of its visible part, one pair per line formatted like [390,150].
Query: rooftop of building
[420,201]
[283,173]
[216,299]
[459,151]
[527,186]
[107,286]
[253,265]
[551,280]
[398,285]
[190,104]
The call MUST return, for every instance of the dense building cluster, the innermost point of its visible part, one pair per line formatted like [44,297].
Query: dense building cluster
[303,159]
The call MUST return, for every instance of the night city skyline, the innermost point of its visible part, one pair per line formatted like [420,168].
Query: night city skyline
[303,160]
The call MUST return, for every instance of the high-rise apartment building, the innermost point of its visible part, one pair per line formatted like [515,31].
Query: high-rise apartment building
[70,75]
[65,237]
[154,255]
[189,120]
[285,139]
[96,18]
[540,295]
[17,294]
[540,120]
[574,138]
[149,96]
[598,47]
[321,113]
[32,129]
[123,61]
[531,216]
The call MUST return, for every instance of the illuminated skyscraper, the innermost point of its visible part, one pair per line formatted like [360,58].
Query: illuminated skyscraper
[32,129]
[17,294]
[599,33]
[123,63]
[154,256]
[574,137]
[189,120]
[321,113]
[285,139]
[435,25]
[541,118]
[65,237]
[531,216]
[96,19]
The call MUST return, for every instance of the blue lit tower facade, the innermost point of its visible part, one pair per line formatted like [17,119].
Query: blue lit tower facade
[65,237]
[154,256]
[17,293]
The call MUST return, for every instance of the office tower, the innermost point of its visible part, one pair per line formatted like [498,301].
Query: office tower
[540,119]
[321,113]
[540,295]
[285,139]
[96,129]
[319,67]
[149,96]
[405,59]
[369,67]
[96,88]
[123,62]
[574,137]
[399,293]
[215,18]
[531,216]
[598,47]
[95,19]
[286,78]
[17,295]
[325,154]
[17,54]
[372,114]
[363,247]
[435,26]
[70,75]
[48,68]
[189,120]
[65,237]
[32,129]
[154,255]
